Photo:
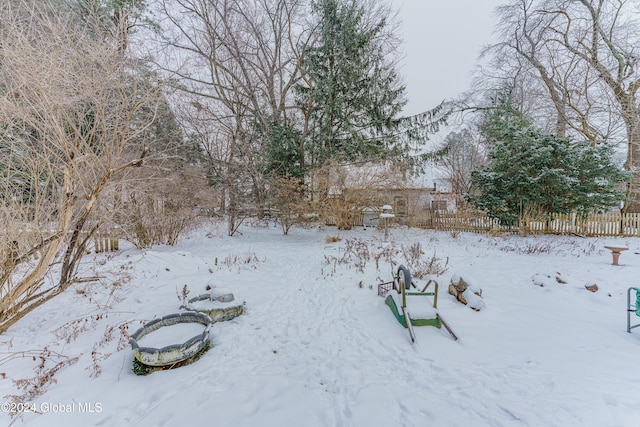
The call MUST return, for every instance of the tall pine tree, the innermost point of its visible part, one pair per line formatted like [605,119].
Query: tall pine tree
[351,93]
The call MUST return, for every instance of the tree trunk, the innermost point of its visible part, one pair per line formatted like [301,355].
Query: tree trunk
[632,163]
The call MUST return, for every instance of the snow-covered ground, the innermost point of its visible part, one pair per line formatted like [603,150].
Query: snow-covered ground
[317,346]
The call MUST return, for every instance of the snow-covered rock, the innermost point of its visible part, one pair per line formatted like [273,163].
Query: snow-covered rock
[466,292]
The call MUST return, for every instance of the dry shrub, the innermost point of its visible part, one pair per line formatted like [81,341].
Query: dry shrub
[421,265]
[433,266]
[357,251]
[494,232]
[388,254]
[288,195]
[248,260]
[529,248]
[69,110]
[332,239]
[412,253]
[49,364]
[160,208]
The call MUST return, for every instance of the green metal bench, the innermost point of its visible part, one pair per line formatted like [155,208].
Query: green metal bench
[632,307]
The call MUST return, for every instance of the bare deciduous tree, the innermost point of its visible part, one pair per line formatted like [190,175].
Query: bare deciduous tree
[461,153]
[67,102]
[240,63]
[585,54]
[158,205]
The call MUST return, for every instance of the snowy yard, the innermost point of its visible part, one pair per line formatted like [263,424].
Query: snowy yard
[317,346]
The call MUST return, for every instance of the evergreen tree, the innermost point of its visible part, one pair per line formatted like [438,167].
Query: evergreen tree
[351,95]
[283,151]
[532,172]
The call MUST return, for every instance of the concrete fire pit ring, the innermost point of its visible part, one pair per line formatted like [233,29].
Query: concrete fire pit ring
[216,306]
[174,353]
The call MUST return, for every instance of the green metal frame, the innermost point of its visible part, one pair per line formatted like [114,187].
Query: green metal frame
[401,288]
[632,308]
[415,322]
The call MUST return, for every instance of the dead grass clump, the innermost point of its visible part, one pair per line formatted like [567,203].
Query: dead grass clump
[433,266]
[494,232]
[529,248]
[332,239]
[412,253]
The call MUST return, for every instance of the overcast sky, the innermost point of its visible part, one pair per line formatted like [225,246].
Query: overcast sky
[442,41]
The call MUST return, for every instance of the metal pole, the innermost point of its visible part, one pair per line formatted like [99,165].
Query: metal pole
[629,310]
[386,230]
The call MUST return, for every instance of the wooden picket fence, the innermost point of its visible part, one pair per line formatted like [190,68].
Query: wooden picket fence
[607,224]
[106,241]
